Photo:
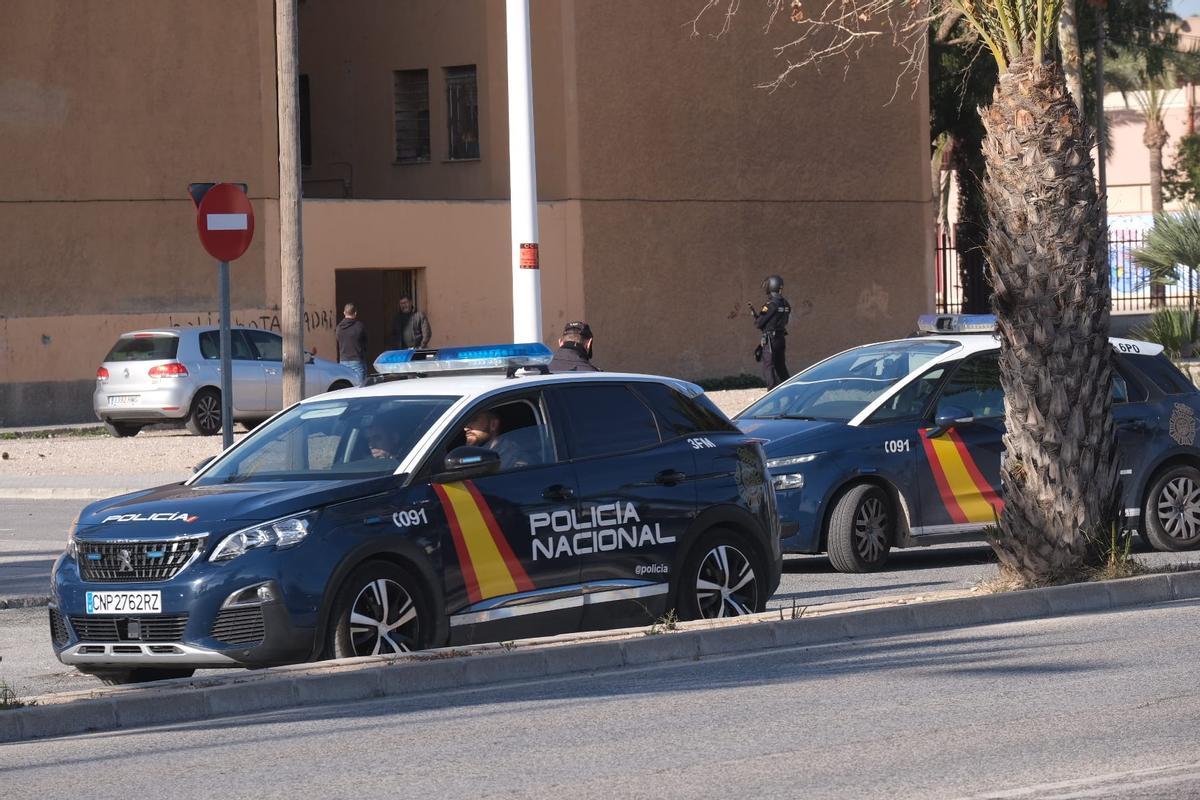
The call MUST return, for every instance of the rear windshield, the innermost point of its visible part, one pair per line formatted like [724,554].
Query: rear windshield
[144,348]
[1165,375]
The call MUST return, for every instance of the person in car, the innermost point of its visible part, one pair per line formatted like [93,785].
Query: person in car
[383,440]
[483,430]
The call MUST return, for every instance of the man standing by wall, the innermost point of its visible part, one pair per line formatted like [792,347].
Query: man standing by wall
[352,343]
[574,350]
[410,327]
[772,320]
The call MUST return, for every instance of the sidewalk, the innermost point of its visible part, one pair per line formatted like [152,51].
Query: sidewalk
[82,487]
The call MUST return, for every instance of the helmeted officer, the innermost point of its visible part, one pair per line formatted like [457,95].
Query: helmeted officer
[772,320]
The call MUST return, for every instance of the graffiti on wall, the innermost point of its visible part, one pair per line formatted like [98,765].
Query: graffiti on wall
[315,320]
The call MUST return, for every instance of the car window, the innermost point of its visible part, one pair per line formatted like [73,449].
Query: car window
[144,347]
[1162,373]
[911,402]
[840,387]
[210,346]
[606,418]
[268,346]
[514,428]
[332,440]
[679,415]
[975,387]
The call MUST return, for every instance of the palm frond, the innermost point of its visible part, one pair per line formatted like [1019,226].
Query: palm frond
[1174,241]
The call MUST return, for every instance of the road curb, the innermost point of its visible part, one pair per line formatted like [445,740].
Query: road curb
[30,601]
[63,493]
[350,680]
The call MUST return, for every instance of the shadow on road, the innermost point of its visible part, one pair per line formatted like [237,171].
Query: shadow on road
[902,560]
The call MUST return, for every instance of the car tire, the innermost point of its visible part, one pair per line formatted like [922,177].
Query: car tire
[251,424]
[338,385]
[122,430]
[723,576]
[1172,509]
[204,419]
[861,529]
[380,609]
[121,677]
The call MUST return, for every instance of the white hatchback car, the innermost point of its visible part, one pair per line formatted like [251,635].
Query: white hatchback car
[174,374]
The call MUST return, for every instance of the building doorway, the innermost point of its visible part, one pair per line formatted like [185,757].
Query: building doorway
[377,294]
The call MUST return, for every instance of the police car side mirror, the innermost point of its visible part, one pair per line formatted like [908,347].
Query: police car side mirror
[950,417]
[468,462]
[201,465]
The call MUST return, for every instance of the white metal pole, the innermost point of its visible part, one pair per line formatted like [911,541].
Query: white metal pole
[522,174]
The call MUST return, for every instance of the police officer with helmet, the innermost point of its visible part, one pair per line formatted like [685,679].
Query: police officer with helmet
[772,320]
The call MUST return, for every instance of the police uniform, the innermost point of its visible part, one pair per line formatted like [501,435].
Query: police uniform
[772,320]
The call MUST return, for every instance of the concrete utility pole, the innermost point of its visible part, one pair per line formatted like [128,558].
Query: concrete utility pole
[522,176]
[291,247]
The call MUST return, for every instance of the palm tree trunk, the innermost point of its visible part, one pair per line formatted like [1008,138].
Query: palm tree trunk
[1051,298]
[1155,139]
[1068,43]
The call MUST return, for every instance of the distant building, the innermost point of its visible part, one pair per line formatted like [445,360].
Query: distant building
[668,185]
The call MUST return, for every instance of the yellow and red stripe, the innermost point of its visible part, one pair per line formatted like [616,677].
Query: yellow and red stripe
[967,495]
[489,567]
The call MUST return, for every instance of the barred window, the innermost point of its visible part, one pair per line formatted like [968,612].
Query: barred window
[462,112]
[412,115]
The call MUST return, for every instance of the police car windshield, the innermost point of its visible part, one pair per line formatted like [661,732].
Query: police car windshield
[839,388]
[354,438]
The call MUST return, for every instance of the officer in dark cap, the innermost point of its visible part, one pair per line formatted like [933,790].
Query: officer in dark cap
[574,350]
[772,320]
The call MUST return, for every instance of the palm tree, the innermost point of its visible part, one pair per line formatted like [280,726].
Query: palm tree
[1050,275]
[1173,241]
[1128,74]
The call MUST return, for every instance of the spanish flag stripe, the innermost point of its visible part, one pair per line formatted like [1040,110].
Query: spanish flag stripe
[460,547]
[939,477]
[520,578]
[985,487]
[966,492]
[489,566]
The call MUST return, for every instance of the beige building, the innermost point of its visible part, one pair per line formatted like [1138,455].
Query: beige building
[668,185]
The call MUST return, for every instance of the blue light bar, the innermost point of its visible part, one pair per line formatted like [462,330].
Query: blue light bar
[464,359]
[956,323]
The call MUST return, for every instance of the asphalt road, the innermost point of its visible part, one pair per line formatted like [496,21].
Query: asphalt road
[1101,705]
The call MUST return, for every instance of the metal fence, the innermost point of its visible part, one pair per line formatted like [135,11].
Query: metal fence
[1132,291]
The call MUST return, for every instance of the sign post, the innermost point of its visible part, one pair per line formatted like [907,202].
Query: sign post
[225,221]
[522,174]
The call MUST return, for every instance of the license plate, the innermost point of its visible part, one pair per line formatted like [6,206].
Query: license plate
[124,602]
[123,399]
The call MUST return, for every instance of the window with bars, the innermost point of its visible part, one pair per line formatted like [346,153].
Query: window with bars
[462,112]
[412,115]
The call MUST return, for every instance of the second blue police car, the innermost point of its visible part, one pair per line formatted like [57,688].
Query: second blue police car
[414,513]
[898,444]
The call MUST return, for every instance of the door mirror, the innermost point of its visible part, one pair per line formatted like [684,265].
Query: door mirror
[950,417]
[468,462]
[201,465]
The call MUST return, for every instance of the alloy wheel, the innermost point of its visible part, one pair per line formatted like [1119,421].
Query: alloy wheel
[383,619]
[208,412]
[725,583]
[870,529]
[1179,509]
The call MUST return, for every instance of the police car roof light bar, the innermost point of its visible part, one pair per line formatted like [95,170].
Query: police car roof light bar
[506,357]
[957,323]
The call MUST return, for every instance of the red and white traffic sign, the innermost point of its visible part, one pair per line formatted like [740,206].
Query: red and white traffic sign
[225,220]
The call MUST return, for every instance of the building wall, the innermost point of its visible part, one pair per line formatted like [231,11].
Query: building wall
[695,185]
[107,112]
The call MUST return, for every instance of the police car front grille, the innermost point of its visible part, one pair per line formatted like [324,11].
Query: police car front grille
[239,626]
[165,628]
[130,562]
[58,628]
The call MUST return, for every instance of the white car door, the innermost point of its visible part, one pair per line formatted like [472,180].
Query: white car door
[269,349]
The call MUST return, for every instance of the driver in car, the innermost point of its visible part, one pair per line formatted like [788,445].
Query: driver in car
[383,441]
[483,430]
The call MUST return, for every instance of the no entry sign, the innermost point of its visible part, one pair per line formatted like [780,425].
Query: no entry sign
[224,218]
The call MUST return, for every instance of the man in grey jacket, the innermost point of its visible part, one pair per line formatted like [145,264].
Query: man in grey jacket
[410,328]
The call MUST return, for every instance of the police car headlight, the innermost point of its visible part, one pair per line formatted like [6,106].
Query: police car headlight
[784,474]
[281,533]
[72,542]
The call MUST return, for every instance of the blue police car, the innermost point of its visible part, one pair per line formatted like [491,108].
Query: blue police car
[898,444]
[462,507]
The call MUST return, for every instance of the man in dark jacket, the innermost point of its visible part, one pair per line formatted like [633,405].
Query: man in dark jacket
[772,320]
[352,343]
[410,328]
[574,350]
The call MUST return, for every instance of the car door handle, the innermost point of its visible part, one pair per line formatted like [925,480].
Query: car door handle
[670,477]
[558,492]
